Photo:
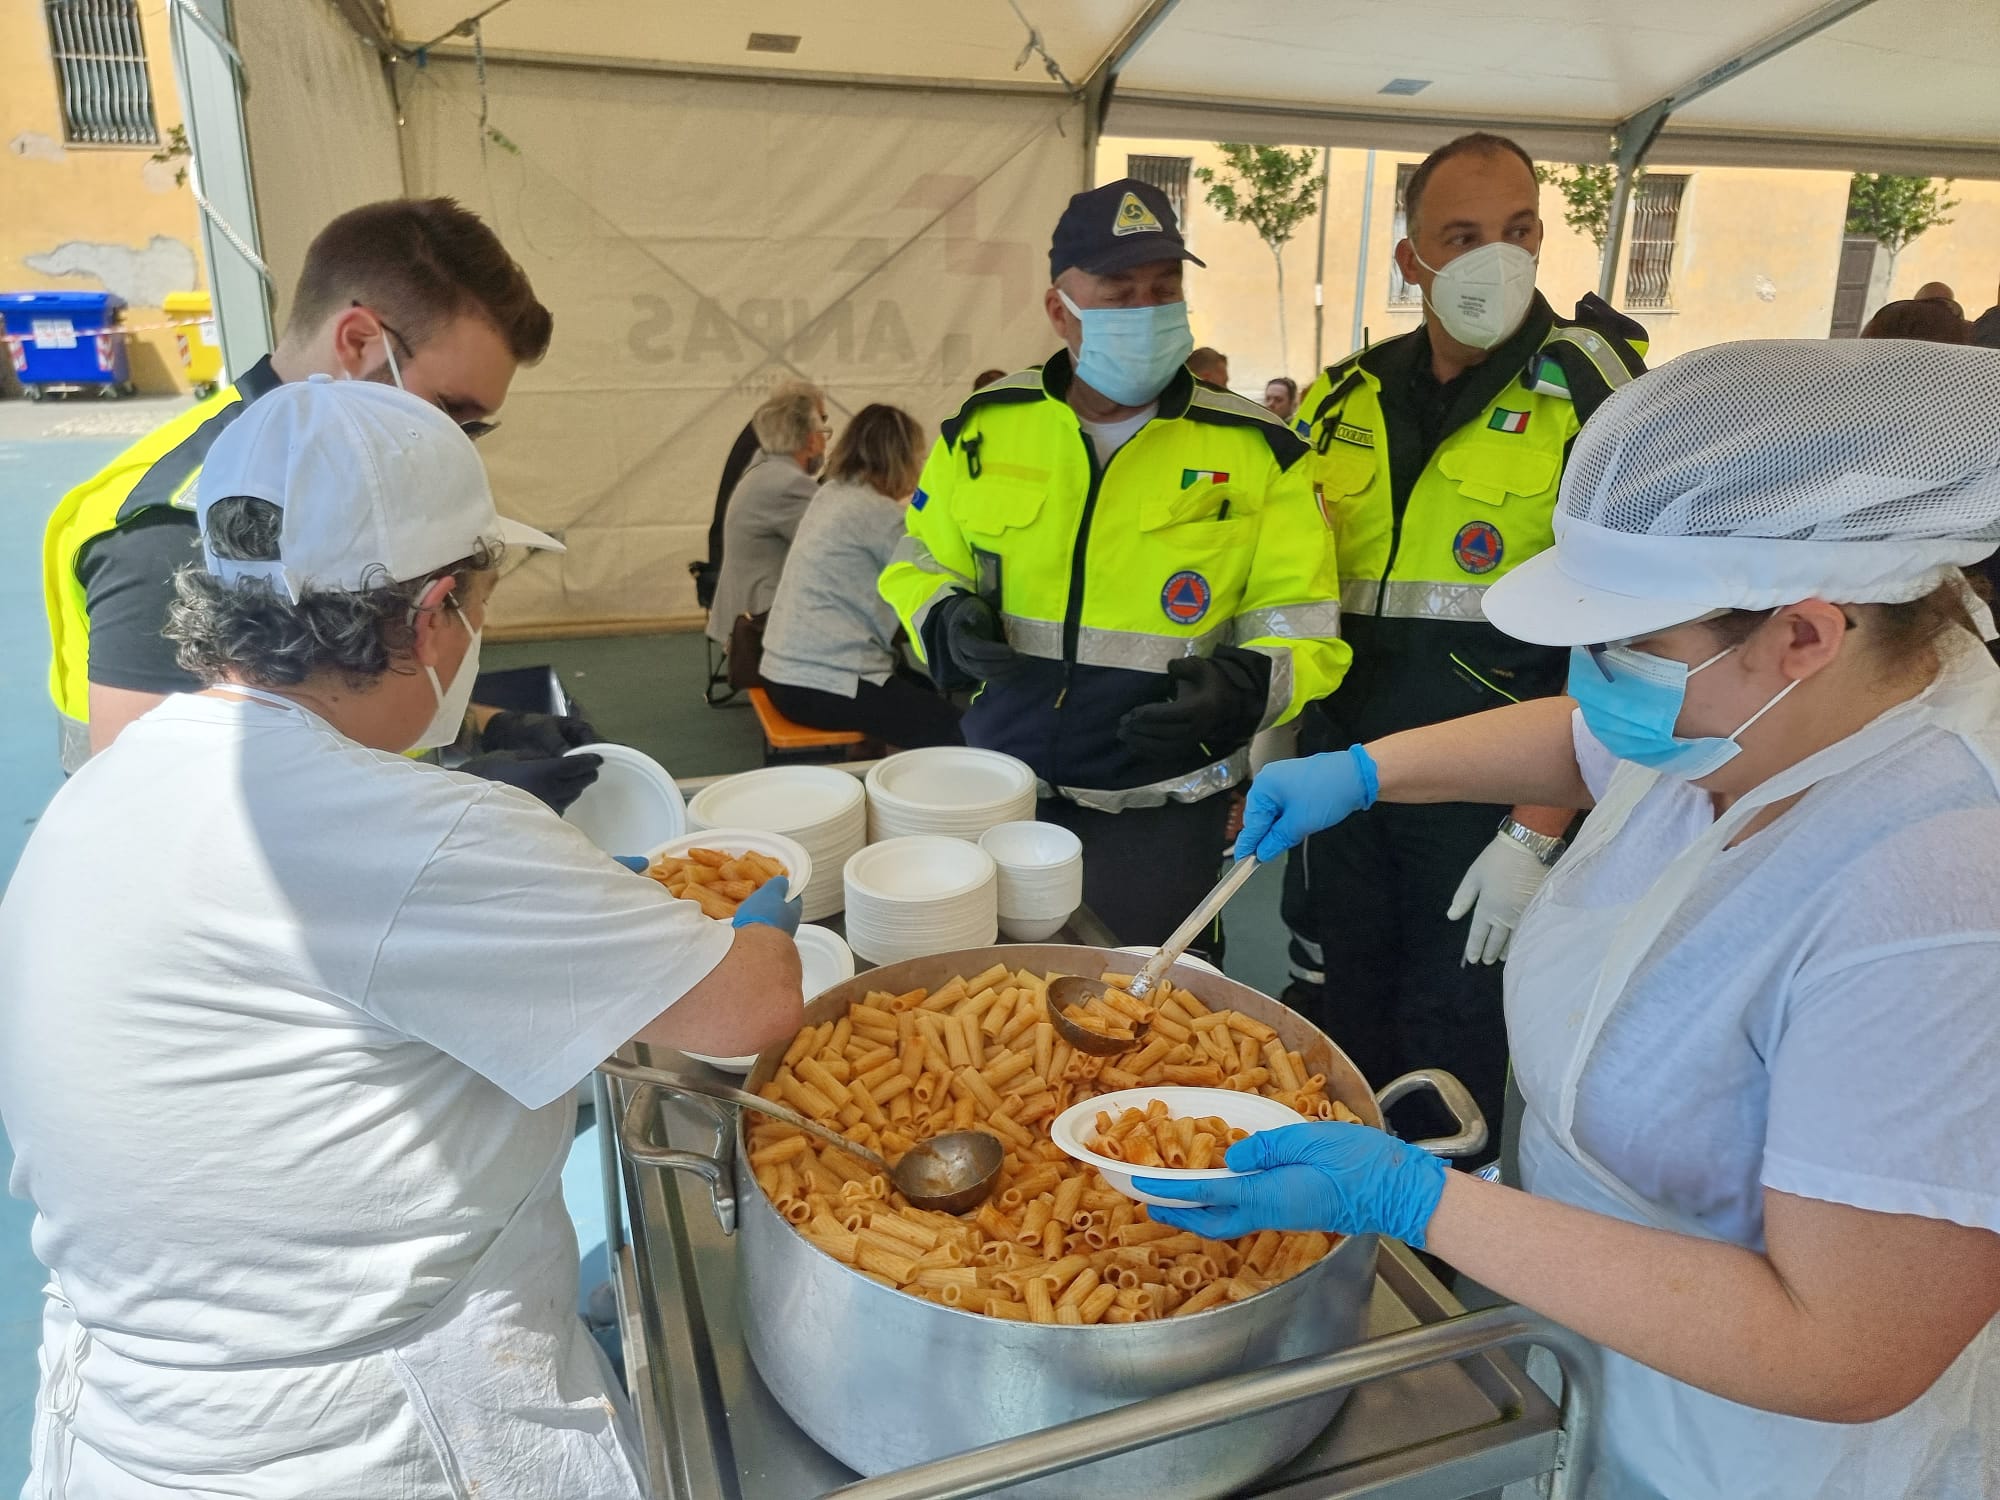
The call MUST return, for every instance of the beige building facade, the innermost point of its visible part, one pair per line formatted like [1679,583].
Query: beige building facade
[1726,253]
[87,100]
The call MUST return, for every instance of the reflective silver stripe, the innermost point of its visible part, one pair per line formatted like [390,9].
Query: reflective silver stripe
[1041,638]
[1278,698]
[1413,599]
[1597,349]
[72,742]
[1288,622]
[911,549]
[1195,786]
[1139,651]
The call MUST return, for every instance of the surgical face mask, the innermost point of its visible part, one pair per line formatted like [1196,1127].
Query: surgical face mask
[1484,295]
[449,721]
[1631,701]
[1130,353]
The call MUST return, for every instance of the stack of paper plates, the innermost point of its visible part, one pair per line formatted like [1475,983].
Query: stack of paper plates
[823,810]
[633,805]
[949,789]
[907,897]
[825,961]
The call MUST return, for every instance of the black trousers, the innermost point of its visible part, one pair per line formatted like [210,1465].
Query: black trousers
[906,712]
[1146,868]
[1371,894]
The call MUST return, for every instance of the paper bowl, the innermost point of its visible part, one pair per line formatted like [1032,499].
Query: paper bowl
[1251,1112]
[1033,929]
[826,961]
[632,805]
[798,864]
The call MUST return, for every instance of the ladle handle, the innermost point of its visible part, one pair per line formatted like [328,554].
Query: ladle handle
[617,1067]
[1155,968]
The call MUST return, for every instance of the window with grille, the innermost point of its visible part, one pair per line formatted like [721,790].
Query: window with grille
[100,57]
[1401,292]
[1656,222]
[1167,173]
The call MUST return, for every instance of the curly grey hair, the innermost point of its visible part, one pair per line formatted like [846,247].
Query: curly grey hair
[788,418]
[250,631]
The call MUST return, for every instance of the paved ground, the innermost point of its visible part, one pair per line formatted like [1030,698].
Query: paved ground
[644,691]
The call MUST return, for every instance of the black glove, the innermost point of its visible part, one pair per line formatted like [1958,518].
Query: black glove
[1218,704]
[557,779]
[973,639]
[538,734]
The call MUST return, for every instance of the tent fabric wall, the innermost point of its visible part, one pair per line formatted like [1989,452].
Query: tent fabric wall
[699,240]
[321,123]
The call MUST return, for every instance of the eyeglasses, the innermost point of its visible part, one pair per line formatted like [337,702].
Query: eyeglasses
[474,428]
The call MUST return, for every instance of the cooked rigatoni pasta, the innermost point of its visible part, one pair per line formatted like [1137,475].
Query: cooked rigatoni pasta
[1054,1243]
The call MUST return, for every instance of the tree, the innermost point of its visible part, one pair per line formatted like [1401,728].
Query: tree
[1895,210]
[1274,191]
[1587,192]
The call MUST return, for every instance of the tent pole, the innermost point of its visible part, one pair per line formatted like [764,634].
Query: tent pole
[1614,232]
[1357,334]
[212,105]
[1319,263]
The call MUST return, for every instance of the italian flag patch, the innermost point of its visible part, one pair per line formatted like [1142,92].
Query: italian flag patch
[1192,477]
[1504,420]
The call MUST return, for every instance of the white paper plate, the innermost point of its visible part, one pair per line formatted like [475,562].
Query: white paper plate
[782,799]
[632,806]
[825,961]
[798,864]
[919,871]
[1252,1112]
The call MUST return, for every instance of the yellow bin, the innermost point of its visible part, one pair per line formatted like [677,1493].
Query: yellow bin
[194,331]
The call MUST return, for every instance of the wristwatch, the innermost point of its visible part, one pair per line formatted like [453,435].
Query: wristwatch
[1546,847]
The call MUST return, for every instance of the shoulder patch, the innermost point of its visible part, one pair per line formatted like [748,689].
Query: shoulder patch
[1020,387]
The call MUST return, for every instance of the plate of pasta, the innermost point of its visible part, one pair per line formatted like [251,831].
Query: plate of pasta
[1059,1241]
[1173,1133]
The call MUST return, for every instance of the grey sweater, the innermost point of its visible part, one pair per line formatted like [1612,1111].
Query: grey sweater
[764,512]
[829,627]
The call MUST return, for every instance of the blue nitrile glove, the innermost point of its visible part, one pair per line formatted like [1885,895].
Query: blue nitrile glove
[768,905]
[1293,798]
[1344,1179]
[638,864]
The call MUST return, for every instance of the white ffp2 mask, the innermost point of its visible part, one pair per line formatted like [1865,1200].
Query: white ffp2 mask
[449,721]
[1484,295]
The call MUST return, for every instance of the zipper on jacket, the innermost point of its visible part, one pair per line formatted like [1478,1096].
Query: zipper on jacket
[1079,556]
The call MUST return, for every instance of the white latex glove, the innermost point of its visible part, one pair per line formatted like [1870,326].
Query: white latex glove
[1496,890]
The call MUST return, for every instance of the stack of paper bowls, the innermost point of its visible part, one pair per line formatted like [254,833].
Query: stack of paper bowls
[1041,877]
[908,897]
[823,810]
[951,790]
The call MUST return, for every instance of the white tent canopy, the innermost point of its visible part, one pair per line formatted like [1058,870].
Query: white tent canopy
[716,194]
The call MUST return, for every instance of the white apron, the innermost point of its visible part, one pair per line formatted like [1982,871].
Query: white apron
[1663,1439]
[496,1392]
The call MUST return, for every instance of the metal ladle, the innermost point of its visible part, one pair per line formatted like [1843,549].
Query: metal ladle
[951,1173]
[1074,990]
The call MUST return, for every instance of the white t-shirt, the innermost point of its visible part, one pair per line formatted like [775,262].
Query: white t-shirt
[289,1026]
[1108,437]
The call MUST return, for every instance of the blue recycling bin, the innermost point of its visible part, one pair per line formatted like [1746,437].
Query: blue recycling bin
[66,339]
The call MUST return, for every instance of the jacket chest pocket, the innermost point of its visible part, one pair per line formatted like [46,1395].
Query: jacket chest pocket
[1202,521]
[1491,472]
[996,506]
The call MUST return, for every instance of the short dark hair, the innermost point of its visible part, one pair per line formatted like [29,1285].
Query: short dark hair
[1291,386]
[1476,143]
[986,377]
[1933,320]
[419,263]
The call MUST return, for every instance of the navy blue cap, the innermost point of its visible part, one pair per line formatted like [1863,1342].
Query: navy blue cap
[1116,227]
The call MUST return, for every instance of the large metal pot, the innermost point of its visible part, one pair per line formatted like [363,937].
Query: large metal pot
[883,1380]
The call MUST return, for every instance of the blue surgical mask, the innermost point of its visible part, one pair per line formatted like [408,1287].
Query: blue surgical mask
[1130,353]
[1631,701]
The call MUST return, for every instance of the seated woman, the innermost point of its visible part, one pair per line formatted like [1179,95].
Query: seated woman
[829,651]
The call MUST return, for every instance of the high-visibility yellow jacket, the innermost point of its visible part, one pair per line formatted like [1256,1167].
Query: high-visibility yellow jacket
[158,471]
[1421,536]
[1200,532]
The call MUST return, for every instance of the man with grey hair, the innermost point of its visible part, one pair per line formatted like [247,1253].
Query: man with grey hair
[352,997]
[768,503]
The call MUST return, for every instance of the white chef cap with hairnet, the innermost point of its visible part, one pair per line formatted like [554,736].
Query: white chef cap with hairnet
[1757,474]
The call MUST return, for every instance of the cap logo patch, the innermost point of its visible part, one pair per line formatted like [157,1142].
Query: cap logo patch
[1186,598]
[1135,218]
[1478,547]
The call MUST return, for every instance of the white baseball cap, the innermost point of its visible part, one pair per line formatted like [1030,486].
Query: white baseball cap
[377,486]
[1756,474]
